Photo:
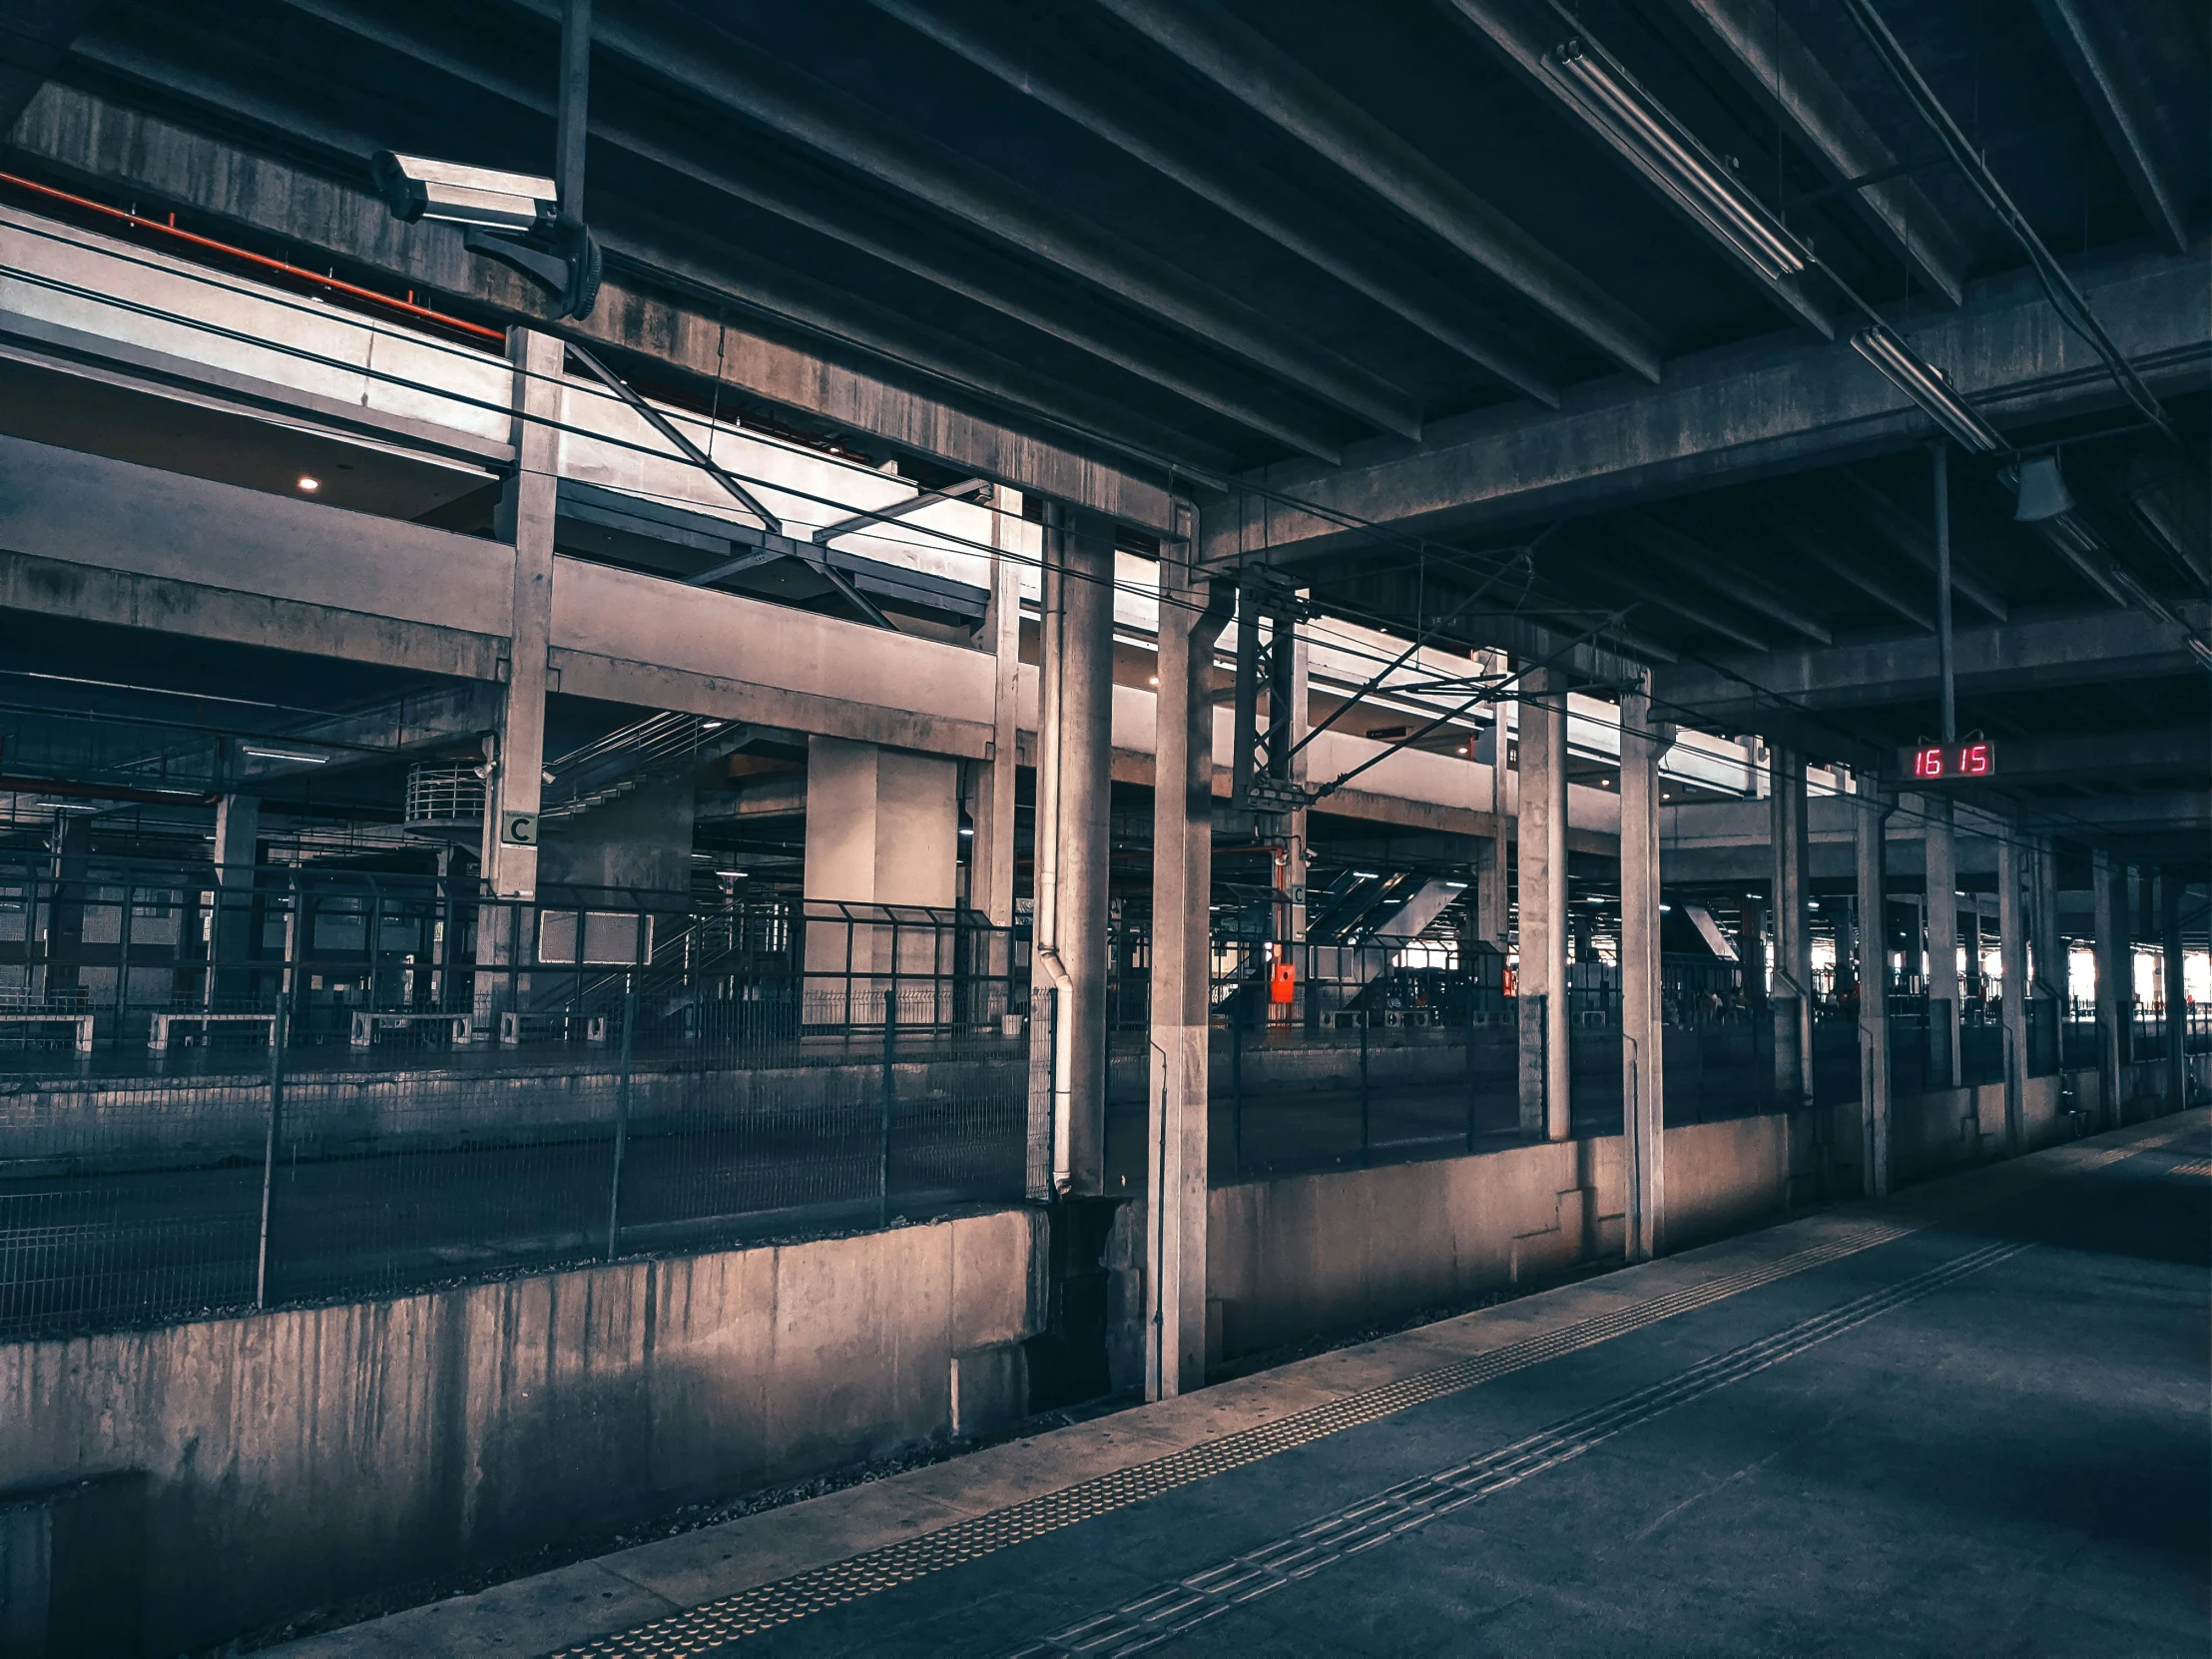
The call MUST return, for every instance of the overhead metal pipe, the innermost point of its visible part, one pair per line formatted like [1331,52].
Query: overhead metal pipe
[1939,454]
[575,111]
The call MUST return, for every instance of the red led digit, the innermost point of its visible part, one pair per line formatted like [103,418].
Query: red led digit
[1930,764]
[1978,760]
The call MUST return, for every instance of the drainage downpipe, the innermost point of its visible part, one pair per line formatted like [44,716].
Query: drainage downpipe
[1063,1068]
[1045,947]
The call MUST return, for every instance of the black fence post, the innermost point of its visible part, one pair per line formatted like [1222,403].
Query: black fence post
[1363,1019]
[268,1149]
[622,1114]
[891,1100]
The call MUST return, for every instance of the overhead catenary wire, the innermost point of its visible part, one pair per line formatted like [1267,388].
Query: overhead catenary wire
[1420,547]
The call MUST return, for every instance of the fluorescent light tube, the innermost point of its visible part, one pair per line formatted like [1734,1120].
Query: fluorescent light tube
[1925,384]
[1676,159]
[293,754]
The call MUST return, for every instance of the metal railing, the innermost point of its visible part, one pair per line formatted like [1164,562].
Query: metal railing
[419,969]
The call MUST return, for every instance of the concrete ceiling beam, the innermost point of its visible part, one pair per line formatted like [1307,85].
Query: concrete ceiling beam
[154,159]
[2037,654]
[1152,132]
[802,296]
[786,102]
[1769,58]
[2117,101]
[1815,544]
[1521,32]
[1735,413]
[1725,577]
[1900,530]
[1278,88]
[2106,755]
[37,36]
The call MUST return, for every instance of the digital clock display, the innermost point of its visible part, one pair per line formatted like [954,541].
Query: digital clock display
[1942,762]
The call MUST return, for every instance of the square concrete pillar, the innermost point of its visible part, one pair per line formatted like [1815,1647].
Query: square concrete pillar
[1074,756]
[2013,951]
[1545,1104]
[1643,1061]
[991,857]
[1942,930]
[525,522]
[2110,896]
[1873,989]
[238,831]
[1790,1004]
[882,828]
[1192,616]
[2176,990]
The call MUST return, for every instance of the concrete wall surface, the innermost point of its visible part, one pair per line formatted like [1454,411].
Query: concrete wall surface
[1300,1255]
[292,1458]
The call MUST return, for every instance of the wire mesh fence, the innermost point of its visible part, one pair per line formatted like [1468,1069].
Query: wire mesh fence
[138,1200]
[120,964]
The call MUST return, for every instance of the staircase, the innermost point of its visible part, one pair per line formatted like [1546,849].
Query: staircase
[656,749]
[1365,921]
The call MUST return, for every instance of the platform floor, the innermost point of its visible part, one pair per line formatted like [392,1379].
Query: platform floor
[1969,1420]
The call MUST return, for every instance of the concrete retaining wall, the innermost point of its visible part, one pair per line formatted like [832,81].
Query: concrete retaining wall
[292,1458]
[1293,1257]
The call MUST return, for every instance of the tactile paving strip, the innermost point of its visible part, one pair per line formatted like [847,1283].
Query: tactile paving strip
[709,1626]
[1163,1613]
[715,1624]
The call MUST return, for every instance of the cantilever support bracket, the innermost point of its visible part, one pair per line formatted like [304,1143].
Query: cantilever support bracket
[675,435]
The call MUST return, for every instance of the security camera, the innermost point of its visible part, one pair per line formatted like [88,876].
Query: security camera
[514,218]
[416,188]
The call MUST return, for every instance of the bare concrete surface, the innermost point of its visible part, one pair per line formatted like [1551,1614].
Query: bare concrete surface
[1970,1420]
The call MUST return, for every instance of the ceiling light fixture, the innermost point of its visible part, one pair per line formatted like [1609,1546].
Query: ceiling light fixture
[297,757]
[1658,143]
[1926,385]
[310,483]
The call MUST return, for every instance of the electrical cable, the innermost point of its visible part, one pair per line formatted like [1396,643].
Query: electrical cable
[2066,300]
[1420,546]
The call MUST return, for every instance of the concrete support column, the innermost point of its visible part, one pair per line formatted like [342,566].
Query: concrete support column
[1192,616]
[1790,1003]
[2110,896]
[1642,1027]
[65,908]
[1751,947]
[991,860]
[882,828]
[1493,875]
[1074,756]
[1493,898]
[1943,927]
[525,521]
[1291,873]
[1544,1079]
[2177,995]
[2047,972]
[2012,951]
[237,833]
[1874,1000]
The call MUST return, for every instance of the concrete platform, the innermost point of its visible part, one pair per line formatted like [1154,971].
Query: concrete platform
[1972,1419]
